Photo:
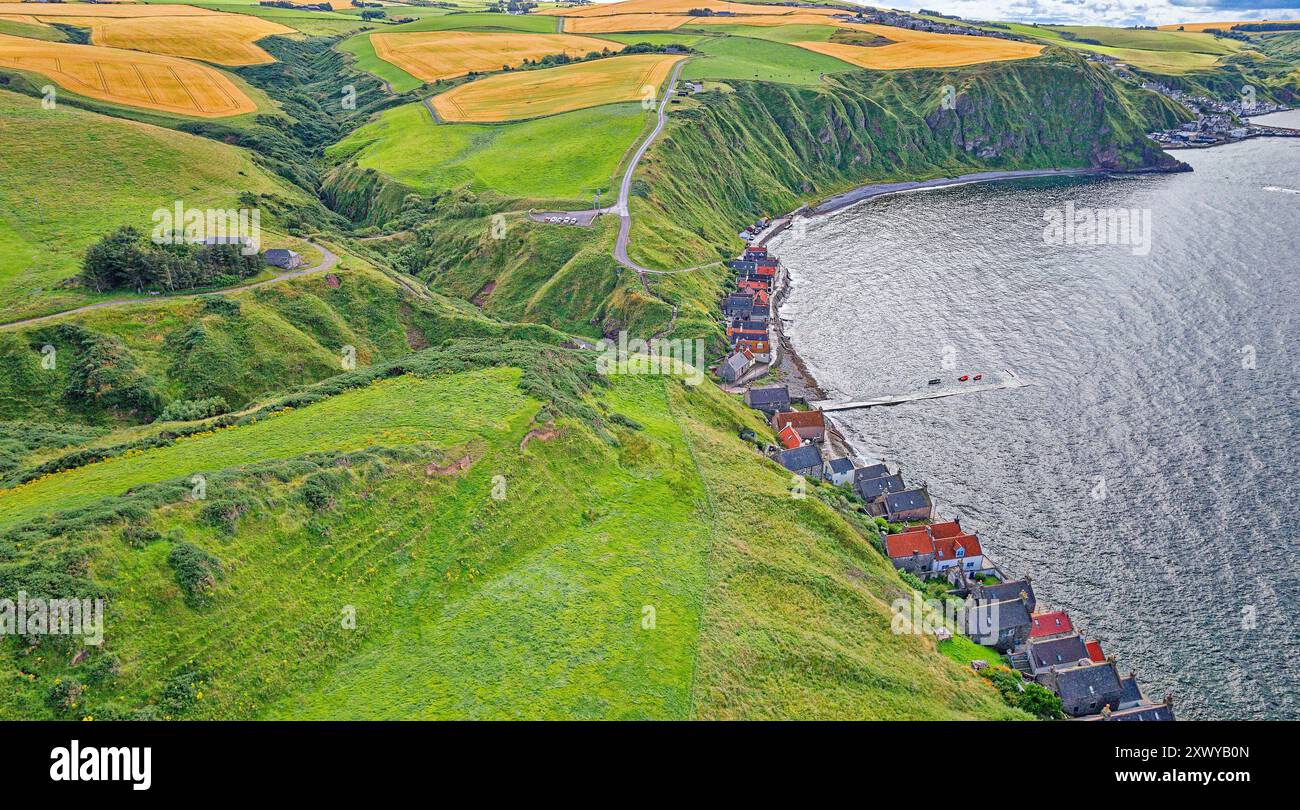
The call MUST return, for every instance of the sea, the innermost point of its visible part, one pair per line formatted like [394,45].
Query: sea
[1145,478]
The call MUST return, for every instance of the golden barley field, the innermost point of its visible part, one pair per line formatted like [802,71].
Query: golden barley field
[225,39]
[535,93]
[1201,26]
[665,7]
[146,80]
[922,49]
[433,55]
[100,10]
[625,22]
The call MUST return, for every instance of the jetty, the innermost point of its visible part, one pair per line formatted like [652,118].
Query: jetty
[1009,380]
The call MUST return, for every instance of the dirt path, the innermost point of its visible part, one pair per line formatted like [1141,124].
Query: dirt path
[327,261]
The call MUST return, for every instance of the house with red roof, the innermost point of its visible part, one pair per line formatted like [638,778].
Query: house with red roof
[1094,651]
[809,425]
[789,437]
[760,349]
[962,551]
[911,551]
[751,284]
[1055,623]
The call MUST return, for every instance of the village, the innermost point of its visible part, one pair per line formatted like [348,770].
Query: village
[1001,612]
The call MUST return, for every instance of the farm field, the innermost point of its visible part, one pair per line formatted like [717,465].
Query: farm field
[1201,26]
[435,55]
[561,157]
[624,22]
[533,93]
[1149,50]
[108,172]
[664,7]
[761,60]
[917,49]
[145,80]
[226,39]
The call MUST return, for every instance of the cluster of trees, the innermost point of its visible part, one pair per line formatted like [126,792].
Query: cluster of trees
[512,7]
[126,260]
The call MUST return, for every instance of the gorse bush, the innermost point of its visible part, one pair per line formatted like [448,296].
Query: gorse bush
[189,410]
[197,572]
[126,260]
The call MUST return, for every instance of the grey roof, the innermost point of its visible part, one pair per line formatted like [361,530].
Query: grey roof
[880,486]
[840,465]
[869,472]
[771,395]
[801,458]
[1008,590]
[1058,652]
[1132,694]
[907,499]
[279,253]
[1088,682]
[741,264]
[1148,711]
[737,362]
[994,617]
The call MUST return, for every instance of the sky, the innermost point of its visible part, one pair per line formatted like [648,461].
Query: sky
[1106,12]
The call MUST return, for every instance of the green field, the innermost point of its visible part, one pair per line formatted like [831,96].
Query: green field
[561,157]
[360,46]
[760,60]
[604,579]
[1157,51]
[107,172]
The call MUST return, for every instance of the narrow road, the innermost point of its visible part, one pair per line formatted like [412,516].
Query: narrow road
[625,190]
[328,260]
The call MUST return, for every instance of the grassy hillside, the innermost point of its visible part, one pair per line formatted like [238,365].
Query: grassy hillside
[465,604]
[559,157]
[109,172]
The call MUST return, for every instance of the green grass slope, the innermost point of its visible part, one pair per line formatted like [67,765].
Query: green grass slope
[552,544]
[565,157]
[54,203]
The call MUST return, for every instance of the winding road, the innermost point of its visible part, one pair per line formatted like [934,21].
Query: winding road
[328,260]
[623,208]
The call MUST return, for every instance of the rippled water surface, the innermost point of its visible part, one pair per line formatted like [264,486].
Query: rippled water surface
[1146,479]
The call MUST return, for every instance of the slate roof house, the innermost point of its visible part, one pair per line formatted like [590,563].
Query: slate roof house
[805,460]
[1054,623]
[1006,590]
[770,399]
[838,470]
[754,251]
[742,266]
[1085,689]
[1063,651]
[910,504]
[873,491]
[810,425]
[738,305]
[1156,712]
[279,257]
[1001,625]
[735,366]
[869,472]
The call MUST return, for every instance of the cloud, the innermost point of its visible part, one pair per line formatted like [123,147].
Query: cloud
[1108,12]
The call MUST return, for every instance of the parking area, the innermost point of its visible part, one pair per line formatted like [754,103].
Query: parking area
[582,219]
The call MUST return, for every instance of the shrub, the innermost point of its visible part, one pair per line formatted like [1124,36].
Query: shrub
[189,410]
[620,419]
[197,572]
[1024,695]
[64,695]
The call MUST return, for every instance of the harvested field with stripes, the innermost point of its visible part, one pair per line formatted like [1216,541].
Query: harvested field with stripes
[136,79]
[534,93]
[625,22]
[225,39]
[920,49]
[433,55]
[666,7]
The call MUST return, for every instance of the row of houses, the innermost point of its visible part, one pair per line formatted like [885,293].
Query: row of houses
[1001,613]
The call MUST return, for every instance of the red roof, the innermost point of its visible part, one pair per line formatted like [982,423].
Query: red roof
[800,419]
[1094,651]
[948,529]
[1050,624]
[789,438]
[746,334]
[757,249]
[904,543]
[760,296]
[752,284]
[765,270]
[919,527]
[946,547]
[755,346]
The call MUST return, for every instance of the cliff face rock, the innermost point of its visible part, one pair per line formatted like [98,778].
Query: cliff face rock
[764,148]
